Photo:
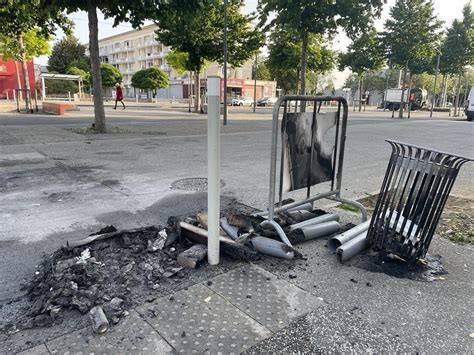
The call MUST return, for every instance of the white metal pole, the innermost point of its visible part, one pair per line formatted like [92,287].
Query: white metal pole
[213,167]
[43,89]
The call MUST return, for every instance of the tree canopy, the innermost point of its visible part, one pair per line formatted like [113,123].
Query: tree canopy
[110,75]
[363,54]
[284,58]
[67,52]
[196,28]
[150,79]
[411,33]
[35,44]
[133,12]
[318,17]
[457,48]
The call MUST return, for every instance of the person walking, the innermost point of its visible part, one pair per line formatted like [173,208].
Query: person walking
[118,96]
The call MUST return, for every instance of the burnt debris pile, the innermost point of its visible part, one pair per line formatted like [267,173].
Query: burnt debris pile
[103,271]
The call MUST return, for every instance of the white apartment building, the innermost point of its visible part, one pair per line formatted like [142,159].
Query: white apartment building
[134,50]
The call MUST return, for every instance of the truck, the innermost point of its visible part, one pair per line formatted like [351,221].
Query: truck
[417,98]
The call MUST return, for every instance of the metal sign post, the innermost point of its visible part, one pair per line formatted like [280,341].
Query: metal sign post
[213,167]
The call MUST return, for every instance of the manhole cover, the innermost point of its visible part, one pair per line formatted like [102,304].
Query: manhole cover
[192,184]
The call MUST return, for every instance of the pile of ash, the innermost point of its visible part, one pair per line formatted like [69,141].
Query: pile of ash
[103,272]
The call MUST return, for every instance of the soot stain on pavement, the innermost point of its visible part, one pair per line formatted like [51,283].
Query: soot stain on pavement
[428,269]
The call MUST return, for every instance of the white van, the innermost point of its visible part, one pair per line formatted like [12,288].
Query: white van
[469,105]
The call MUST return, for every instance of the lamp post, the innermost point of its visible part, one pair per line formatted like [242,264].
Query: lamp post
[434,88]
[255,84]
[386,83]
[225,62]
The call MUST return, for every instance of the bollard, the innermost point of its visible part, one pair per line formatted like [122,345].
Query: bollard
[213,157]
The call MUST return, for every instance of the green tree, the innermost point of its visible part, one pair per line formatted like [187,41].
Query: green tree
[307,17]
[133,12]
[196,28]
[262,72]
[19,17]
[150,79]
[66,52]
[61,87]
[179,61]
[110,75]
[35,44]
[410,36]
[457,48]
[85,75]
[363,55]
[284,58]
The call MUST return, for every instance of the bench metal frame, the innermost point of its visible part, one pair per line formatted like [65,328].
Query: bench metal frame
[338,159]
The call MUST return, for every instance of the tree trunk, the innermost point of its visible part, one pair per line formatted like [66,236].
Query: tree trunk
[360,94]
[18,81]
[304,51]
[458,91]
[99,112]
[197,92]
[402,103]
[26,78]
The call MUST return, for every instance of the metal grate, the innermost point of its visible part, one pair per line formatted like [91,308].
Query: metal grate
[413,194]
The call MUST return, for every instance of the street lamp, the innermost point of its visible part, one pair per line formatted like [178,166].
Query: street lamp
[225,62]
[434,88]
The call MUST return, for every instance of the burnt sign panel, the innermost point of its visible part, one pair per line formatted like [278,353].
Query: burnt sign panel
[308,144]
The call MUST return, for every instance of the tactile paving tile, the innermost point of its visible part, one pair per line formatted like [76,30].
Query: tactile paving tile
[197,320]
[131,335]
[37,350]
[273,302]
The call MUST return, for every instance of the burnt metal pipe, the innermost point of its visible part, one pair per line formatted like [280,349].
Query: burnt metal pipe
[300,216]
[320,219]
[314,231]
[99,321]
[307,207]
[352,247]
[343,238]
[230,230]
[273,248]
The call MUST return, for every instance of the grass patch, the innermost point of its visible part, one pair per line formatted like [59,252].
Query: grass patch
[458,233]
[347,207]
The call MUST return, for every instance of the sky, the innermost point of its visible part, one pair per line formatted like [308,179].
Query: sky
[447,11]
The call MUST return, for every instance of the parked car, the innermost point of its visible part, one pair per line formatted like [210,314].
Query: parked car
[267,101]
[242,101]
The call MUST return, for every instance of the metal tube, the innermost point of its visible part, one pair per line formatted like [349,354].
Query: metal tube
[433,101]
[340,239]
[230,230]
[213,163]
[273,210]
[306,207]
[279,230]
[43,89]
[273,248]
[99,321]
[352,247]
[314,231]
[310,222]
[255,85]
